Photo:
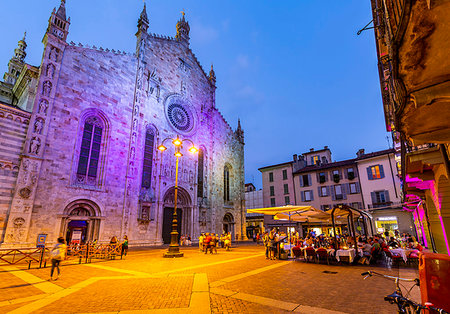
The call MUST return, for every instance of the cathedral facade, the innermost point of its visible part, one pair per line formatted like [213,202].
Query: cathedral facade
[79,137]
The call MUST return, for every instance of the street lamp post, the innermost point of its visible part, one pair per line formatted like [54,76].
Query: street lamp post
[174,248]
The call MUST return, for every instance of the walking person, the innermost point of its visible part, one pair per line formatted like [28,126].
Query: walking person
[228,241]
[124,246]
[57,254]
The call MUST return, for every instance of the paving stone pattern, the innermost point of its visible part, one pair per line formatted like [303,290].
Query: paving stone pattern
[146,281]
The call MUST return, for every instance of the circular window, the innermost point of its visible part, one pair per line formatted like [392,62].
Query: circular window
[179,114]
[179,117]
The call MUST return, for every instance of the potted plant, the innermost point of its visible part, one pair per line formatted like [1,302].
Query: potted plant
[351,175]
[336,178]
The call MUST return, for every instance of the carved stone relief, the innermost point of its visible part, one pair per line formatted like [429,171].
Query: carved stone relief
[38,125]
[50,70]
[54,54]
[47,88]
[35,145]
[25,193]
[43,106]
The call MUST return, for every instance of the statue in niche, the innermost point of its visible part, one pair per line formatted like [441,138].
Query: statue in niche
[47,88]
[136,110]
[43,105]
[35,144]
[132,153]
[53,55]
[133,138]
[38,125]
[135,121]
[50,70]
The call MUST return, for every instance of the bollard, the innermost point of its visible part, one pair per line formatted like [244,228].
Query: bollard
[42,257]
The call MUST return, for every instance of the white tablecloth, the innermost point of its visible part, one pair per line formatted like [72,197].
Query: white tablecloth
[402,252]
[350,253]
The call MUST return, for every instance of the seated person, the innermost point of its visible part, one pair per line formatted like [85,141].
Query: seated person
[393,243]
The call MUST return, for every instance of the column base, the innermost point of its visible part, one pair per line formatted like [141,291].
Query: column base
[173,254]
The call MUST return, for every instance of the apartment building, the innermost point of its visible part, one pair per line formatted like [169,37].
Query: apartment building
[381,191]
[253,199]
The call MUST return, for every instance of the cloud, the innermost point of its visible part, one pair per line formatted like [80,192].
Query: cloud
[203,33]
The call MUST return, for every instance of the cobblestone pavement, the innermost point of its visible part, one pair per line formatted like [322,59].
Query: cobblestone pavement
[239,281]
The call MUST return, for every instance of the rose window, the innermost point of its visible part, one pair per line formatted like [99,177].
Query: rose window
[180,117]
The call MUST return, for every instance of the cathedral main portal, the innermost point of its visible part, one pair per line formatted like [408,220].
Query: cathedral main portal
[81,222]
[184,213]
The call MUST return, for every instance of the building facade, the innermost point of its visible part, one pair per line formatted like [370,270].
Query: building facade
[381,191]
[319,182]
[254,199]
[80,131]
[414,72]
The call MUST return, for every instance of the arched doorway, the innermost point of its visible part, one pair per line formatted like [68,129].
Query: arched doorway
[81,222]
[228,224]
[184,212]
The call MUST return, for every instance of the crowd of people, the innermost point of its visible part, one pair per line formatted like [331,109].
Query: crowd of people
[208,242]
[372,247]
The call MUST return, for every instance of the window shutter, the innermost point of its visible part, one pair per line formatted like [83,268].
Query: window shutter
[360,205]
[374,197]
[344,191]
[369,173]
[355,172]
[317,177]
[328,190]
[312,160]
[302,196]
[358,190]
[301,181]
[333,194]
[381,171]
[345,173]
[319,191]
[309,179]
[386,196]
[312,195]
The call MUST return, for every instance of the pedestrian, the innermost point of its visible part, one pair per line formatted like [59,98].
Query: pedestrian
[222,240]
[124,246]
[228,241]
[57,254]
[207,242]
[200,242]
[213,243]
[258,238]
[266,244]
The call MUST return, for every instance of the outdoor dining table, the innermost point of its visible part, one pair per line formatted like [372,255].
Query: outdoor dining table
[404,253]
[351,253]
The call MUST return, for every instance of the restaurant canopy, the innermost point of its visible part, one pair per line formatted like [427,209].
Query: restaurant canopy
[288,210]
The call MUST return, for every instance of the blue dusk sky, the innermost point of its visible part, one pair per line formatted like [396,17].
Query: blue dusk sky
[294,72]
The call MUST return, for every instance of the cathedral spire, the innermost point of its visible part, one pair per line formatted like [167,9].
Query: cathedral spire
[239,132]
[183,30]
[212,76]
[62,10]
[143,20]
[16,63]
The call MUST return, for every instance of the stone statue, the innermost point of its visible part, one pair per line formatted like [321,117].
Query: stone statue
[38,125]
[35,144]
[50,70]
[47,88]
[43,105]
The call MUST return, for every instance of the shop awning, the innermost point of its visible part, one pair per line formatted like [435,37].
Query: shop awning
[281,209]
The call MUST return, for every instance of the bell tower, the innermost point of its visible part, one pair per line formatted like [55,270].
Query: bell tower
[183,31]
[16,63]
[58,24]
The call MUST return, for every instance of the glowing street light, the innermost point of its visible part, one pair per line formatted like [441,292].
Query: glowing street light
[174,249]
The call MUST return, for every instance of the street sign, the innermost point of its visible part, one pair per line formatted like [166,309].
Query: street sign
[40,243]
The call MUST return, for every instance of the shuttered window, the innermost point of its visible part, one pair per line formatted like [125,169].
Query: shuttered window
[286,189]
[270,176]
[272,191]
[285,175]
[272,202]
[375,172]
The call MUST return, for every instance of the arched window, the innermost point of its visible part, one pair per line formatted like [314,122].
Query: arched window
[226,184]
[88,161]
[148,159]
[200,173]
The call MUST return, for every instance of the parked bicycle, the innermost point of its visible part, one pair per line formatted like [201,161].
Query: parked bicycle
[405,305]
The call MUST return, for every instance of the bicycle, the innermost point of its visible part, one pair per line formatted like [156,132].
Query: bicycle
[404,304]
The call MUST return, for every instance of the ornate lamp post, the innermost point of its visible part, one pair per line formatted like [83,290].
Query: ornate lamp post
[174,248]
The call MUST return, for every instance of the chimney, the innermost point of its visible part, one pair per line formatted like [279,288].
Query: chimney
[295,157]
[311,149]
[360,153]
[325,147]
